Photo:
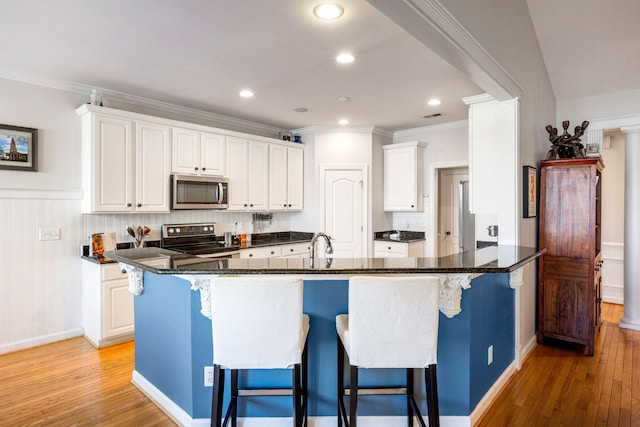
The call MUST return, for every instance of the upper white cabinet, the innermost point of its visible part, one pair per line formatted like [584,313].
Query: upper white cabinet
[128,158]
[286,174]
[404,177]
[126,164]
[152,166]
[248,173]
[198,153]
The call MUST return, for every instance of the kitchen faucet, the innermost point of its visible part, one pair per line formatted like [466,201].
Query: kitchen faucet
[312,247]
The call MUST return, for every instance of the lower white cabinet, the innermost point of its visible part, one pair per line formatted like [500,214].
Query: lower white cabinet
[107,304]
[385,249]
[296,250]
[260,252]
[293,250]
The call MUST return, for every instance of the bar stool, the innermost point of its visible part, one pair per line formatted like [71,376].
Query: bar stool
[257,323]
[392,323]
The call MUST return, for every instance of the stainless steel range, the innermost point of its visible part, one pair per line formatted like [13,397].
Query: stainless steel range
[197,239]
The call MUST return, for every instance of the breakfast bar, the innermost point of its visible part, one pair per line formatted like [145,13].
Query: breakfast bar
[173,342]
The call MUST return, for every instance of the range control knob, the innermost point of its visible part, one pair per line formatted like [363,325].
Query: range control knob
[177,230]
[170,230]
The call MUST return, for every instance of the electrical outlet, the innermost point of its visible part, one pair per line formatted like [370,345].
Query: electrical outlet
[490,355]
[49,234]
[208,376]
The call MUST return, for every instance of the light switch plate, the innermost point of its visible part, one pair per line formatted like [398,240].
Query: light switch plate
[49,234]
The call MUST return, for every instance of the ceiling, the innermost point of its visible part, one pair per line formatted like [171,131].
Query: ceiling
[200,54]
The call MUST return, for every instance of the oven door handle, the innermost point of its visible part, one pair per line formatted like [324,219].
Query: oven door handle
[228,254]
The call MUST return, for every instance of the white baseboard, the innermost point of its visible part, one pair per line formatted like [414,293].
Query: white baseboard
[181,417]
[492,393]
[38,341]
[526,352]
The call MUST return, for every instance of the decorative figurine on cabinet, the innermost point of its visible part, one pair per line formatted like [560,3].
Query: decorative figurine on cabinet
[566,146]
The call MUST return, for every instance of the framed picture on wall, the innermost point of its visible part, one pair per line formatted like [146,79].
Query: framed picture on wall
[529,191]
[18,148]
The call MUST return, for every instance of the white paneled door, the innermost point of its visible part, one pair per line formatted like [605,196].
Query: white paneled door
[344,197]
[449,210]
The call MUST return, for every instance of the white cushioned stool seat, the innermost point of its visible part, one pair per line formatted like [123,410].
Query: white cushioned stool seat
[257,323]
[392,323]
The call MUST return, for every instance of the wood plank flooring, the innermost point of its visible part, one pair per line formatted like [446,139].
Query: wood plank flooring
[560,386]
[70,383]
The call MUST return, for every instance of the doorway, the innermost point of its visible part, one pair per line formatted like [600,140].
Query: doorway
[450,205]
[344,213]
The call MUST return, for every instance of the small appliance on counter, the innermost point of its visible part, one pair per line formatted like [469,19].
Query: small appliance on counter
[198,239]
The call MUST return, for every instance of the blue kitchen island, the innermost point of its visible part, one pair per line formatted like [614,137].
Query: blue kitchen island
[173,333]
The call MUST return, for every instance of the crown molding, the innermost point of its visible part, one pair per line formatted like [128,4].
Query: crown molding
[110,95]
[442,127]
[342,129]
[476,99]
[431,23]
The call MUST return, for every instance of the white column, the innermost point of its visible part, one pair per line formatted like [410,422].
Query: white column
[631,317]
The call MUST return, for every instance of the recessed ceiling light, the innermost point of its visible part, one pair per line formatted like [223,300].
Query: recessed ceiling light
[343,121]
[343,99]
[328,11]
[300,110]
[434,101]
[246,93]
[345,58]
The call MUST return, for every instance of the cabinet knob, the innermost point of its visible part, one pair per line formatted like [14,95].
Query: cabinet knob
[196,168]
[245,205]
[204,169]
[128,205]
[448,233]
[285,205]
[272,252]
[389,247]
[251,205]
[250,255]
[289,205]
[139,205]
[124,271]
[412,205]
[291,250]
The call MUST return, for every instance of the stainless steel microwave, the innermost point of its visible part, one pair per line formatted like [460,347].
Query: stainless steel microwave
[199,192]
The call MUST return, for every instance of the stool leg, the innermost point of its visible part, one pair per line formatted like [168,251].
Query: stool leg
[297,407]
[305,382]
[409,397]
[353,397]
[340,379]
[432,396]
[234,397]
[218,395]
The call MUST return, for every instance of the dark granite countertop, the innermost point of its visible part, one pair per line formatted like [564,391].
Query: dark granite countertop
[402,236]
[495,259]
[257,240]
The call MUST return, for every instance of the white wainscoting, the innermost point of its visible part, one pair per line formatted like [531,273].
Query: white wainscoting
[39,280]
[613,272]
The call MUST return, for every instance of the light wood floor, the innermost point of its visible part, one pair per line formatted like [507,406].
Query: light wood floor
[71,383]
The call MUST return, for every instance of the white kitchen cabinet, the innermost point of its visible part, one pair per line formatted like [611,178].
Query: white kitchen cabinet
[404,177]
[385,249]
[295,250]
[152,166]
[292,250]
[126,164]
[107,304]
[285,178]
[248,173]
[198,153]
[261,252]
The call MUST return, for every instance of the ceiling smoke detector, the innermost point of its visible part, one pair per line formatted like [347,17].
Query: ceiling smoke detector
[432,116]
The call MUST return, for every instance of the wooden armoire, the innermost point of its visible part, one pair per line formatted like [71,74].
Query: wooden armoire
[569,301]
